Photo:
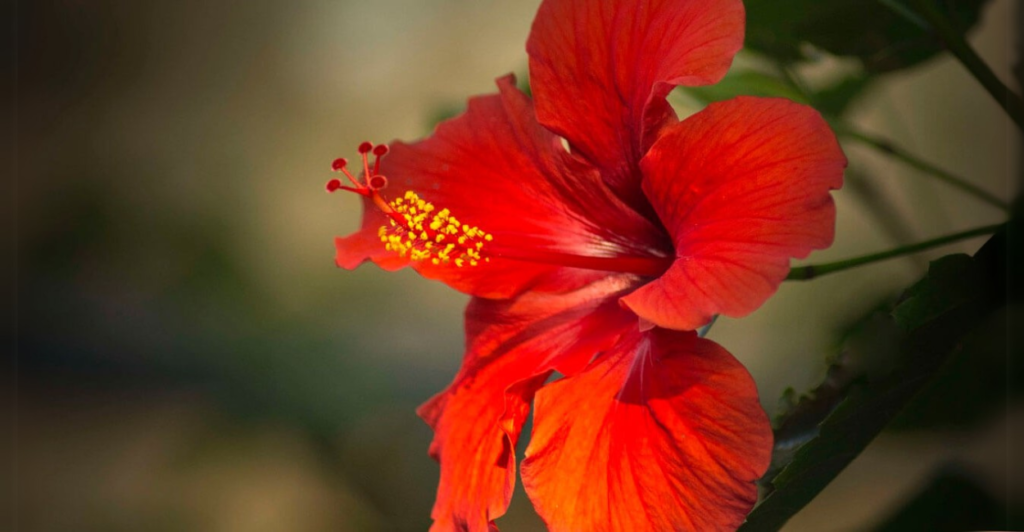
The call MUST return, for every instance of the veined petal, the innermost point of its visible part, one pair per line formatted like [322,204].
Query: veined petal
[742,187]
[664,432]
[512,347]
[600,71]
[495,168]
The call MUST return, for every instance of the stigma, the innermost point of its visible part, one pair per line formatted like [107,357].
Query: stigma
[416,228]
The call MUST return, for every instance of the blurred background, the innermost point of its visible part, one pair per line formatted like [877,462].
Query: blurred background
[188,356]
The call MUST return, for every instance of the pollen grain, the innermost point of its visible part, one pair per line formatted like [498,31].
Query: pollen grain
[431,234]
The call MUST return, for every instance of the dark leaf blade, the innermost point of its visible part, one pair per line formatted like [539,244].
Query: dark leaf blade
[834,100]
[879,35]
[745,83]
[952,501]
[870,405]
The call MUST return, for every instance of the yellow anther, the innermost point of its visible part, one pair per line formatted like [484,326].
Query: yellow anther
[416,231]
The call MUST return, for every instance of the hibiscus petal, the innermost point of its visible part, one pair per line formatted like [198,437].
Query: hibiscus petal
[512,347]
[742,187]
[600,71]
[495,168]
[664,432]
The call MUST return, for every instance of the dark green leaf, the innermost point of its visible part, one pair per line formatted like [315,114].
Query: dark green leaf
[976,383]
[952,501]
[878,34]
[936,317]
[868,349]
[745,82]
[835,99]
[949,284]
[831,101]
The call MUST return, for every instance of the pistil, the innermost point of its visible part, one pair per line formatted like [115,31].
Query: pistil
[418,230]
[642,266]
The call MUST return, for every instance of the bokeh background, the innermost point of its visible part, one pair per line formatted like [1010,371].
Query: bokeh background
[188,356]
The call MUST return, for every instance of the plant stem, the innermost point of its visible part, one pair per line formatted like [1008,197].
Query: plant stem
[805,273]
[889,148]
[955,43]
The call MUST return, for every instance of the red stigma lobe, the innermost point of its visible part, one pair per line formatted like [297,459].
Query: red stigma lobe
[373,180]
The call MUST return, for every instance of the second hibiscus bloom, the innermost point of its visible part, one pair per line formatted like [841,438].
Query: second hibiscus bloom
[598,262]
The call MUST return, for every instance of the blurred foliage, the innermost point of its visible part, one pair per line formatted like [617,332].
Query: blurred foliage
[939,353]
[96,320]
[867,351]
[933,326]
[952,501]
[832,100]
[884,34]
[746,83]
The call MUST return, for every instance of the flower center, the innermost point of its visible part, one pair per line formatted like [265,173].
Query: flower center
[414,228]
[438,236]
[418,230]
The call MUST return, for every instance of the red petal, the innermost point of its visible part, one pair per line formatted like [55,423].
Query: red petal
[600,71]
[665,432]
[513,345]
[741,186]
[495,168]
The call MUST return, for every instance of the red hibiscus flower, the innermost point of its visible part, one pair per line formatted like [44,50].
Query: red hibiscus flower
[598,262]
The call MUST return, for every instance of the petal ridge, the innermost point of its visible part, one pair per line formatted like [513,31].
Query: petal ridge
[496,168]
[603,85]
[742,187]
[673,438]
[512,347]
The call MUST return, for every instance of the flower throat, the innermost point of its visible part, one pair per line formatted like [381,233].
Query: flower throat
[418,230]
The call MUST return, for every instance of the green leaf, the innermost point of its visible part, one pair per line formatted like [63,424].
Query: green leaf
[442,112]
[976,383]
[880,33]
[866,354]
[952,501]
[949,284]
[935,317]
[831,101]
[835,99]
[745,82]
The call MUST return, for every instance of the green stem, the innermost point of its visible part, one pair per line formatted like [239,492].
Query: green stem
[804,273]
[889,148]
[955,43]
